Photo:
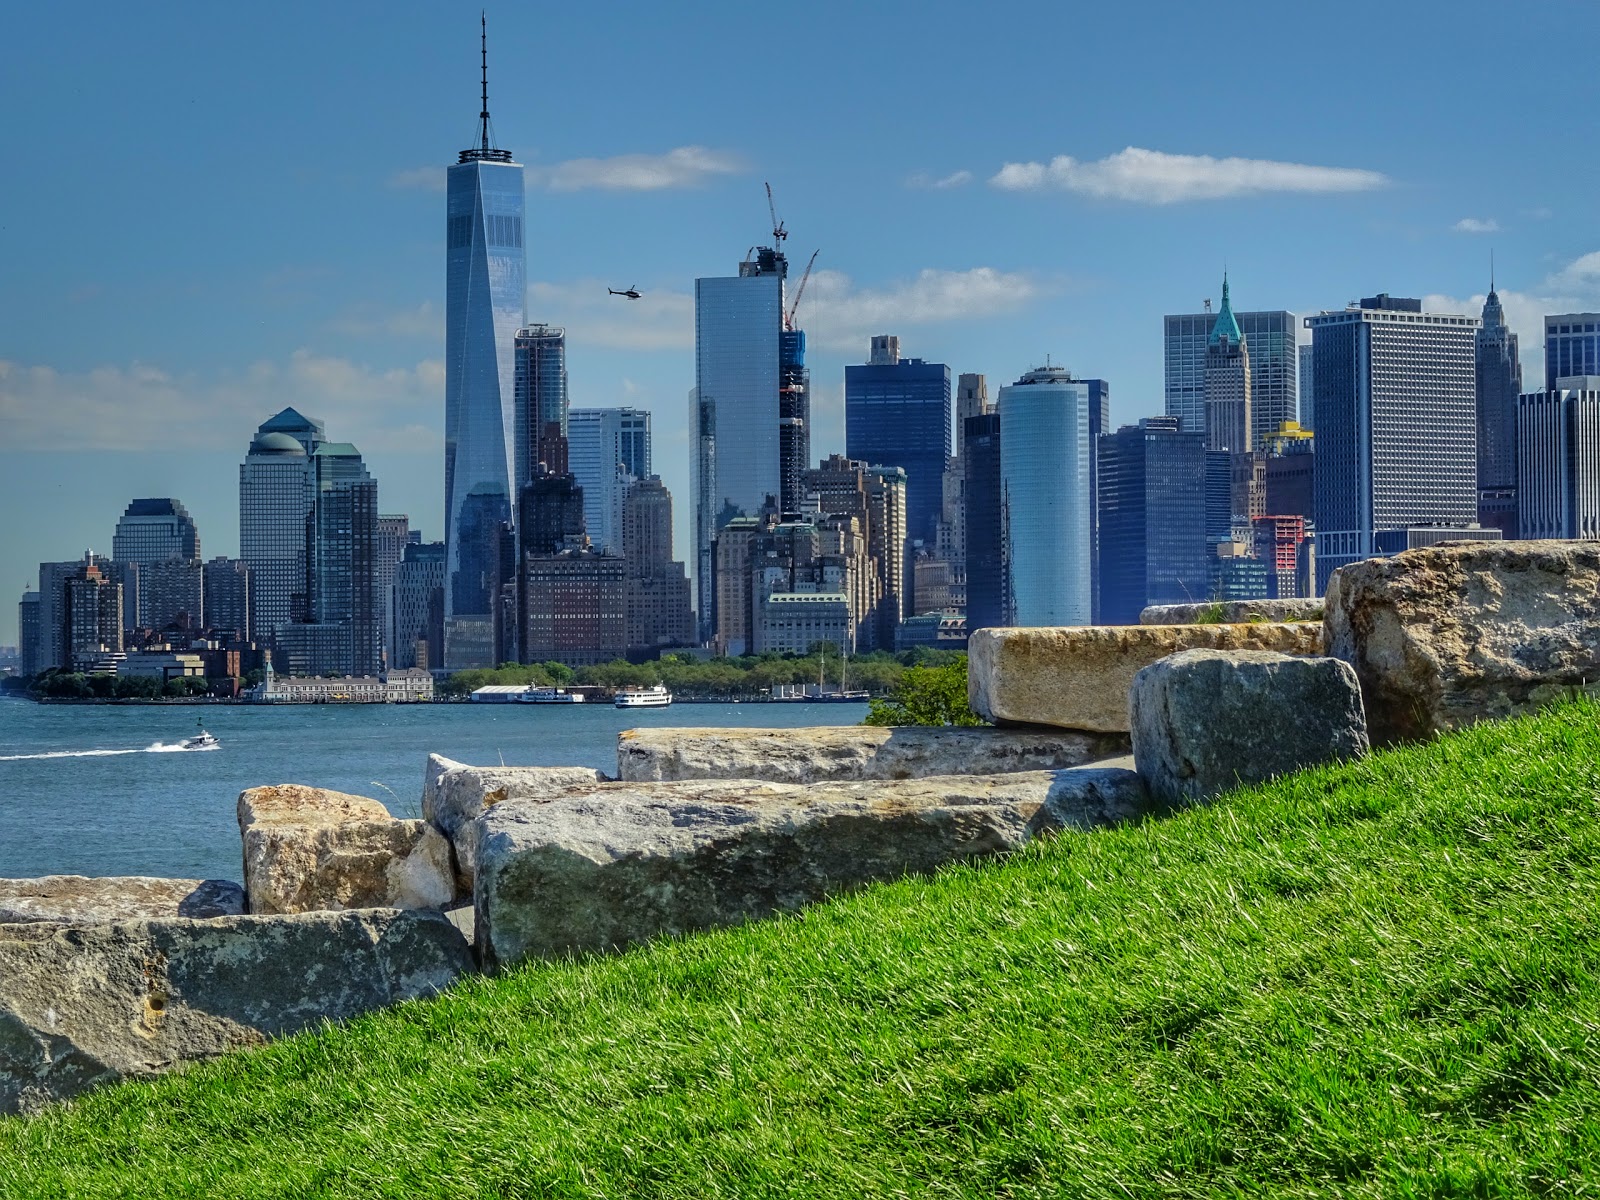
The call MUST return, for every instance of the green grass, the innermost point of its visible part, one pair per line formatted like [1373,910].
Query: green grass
[1377,979]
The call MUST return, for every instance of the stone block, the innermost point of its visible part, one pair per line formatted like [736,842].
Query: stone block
[1078,677]
[1233,612]
[616,864]
[307,849]
[455,795]
[87,901]
[1205,721]
[851,752]
[1462,632]
[82,1005]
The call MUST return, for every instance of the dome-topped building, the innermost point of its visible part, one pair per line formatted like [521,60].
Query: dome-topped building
[272,515]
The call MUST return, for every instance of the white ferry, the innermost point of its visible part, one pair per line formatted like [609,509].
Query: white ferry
[650,697]
[549,695]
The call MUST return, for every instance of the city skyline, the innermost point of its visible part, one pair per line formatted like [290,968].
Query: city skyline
[336,304]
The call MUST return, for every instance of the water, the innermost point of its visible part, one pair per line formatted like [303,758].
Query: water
[109,790]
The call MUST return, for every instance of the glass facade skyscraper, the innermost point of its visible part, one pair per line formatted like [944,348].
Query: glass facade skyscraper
[1044,467]
[541,400]
[987,594]
[1396,406]
[273,503]
[484,308]
[607,449]
[1571,347]
[897,414]
[1152,519]
[1274,368]
[1499,383]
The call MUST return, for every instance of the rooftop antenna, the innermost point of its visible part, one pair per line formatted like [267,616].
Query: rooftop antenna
[483,43]
[1491,270]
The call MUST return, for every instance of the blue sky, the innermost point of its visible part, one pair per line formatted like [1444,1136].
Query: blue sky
[213,211]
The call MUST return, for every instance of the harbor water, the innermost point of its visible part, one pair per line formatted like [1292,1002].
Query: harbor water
[108,790]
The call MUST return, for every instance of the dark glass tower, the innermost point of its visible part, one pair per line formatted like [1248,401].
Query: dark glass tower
[1571,347]
[541,396]
[1499,384]
[897,414]
[1152,518]
[987,594]
[794,417]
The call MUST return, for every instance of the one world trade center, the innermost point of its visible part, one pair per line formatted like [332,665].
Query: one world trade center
[484,307]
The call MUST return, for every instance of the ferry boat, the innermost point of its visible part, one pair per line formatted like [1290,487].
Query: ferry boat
[650,697]
[549,695]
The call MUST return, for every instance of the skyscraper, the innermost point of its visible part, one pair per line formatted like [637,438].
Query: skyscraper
[1571,347]
[1558,450]
[897,414]
[1499,383]
[28,633]
[1271,337]
[1152,519]
[1396,405]
[418,608]
[389,547]
[657,590]
[541,400]
[987,591]
[273,503]
[227,598]
[607,449]
[484,298]
[1044,467]
[1227,383]
[972,400]
[794,417]
[154,530]
[735,462]
[1308,413]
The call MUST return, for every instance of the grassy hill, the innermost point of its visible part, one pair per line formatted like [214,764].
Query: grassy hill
[1378,979]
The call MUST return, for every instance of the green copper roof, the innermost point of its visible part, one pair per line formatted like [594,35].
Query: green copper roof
[1227,324]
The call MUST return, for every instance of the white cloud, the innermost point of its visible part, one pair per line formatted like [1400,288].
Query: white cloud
[1474,225]
[422,179]
[1582,275]
[954,180]
[686,166]
[1152,177]
[142,407]
[835,313]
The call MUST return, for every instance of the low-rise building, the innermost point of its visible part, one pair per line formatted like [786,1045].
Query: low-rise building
[397,687]
[162,665]
[794,622]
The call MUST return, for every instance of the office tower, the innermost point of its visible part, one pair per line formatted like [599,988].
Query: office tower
[52,648]
[28,633]
[1152,519]
[794,417]
[657,590]
[540,354]
[889,545]
[864,507]
[987,593]
[1558,451]
[394,534]
[550,515]
[607,449]
[735,460]
[172,594]
[972,400]
[1290,479]
[227,598]
[733,605]
[1396,404]
[1274,357]
[1227,383]
[1571,347]
[897,414]
[803,584]
[484,296]
[154,530]
[1499,382]
[1099,426]
[418,608]
[1284,545]
[272,519]
[575,608]
[341,634]
[1044,468]
[1218,499]
[92,617]
[1308,413]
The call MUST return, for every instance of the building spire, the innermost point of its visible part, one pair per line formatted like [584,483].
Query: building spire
[485,150]
[1491,271]
[1227,325]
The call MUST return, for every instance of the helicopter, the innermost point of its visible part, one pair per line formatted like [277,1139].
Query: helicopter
[632,293]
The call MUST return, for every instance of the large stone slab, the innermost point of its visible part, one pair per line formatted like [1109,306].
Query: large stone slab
[1232,612]
[307,849]
[82,1005]
[851,752]
[455,795]
[1078,678]
[616,864]
[1205,721]
[87,901]
[1463,632]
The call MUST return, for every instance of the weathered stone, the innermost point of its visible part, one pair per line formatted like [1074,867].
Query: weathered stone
[1468,631]
[455,795]
[1078,678]
[620,863]
[1205,721]
[1233,612]
[84,901]
[307,849]
[82,1005]
[851,752]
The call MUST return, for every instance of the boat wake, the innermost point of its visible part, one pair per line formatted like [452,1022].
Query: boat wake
[153,748]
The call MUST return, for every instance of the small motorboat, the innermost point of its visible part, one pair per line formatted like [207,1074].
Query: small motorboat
[201,740]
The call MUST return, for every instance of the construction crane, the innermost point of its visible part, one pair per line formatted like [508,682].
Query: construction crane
[788,317]
[778,231]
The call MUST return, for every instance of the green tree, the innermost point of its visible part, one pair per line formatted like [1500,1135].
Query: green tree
[927,696]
